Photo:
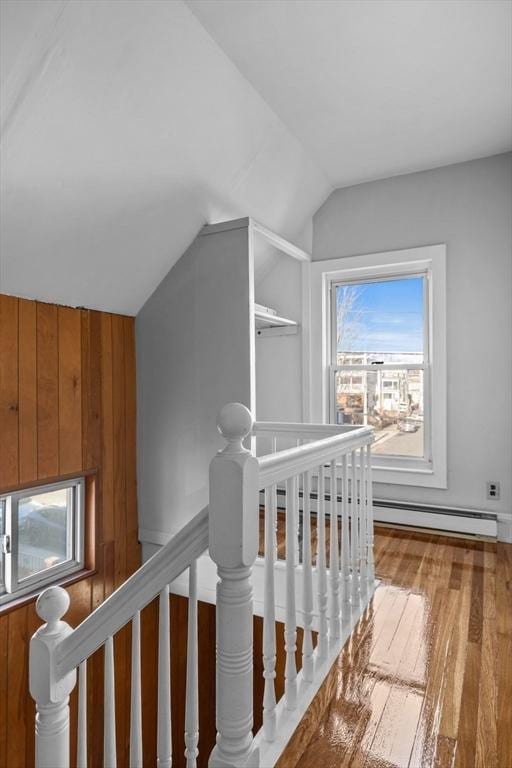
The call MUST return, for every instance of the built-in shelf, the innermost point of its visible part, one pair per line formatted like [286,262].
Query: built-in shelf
[269,324]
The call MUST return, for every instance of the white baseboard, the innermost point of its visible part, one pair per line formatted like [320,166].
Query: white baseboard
[466,524]
[470,522]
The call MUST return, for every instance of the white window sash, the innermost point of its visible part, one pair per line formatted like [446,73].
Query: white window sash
[320,276]
[13,585]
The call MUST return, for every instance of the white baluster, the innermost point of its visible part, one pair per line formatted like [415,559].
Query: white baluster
[164,735]
[297,522]
[109,707]
[345,540]
[363,543]
[323,640]
[354,530]
[234,521]
[81,743]
[50,693]
[269,621]
[369,518]
[191,703]
[333,558]
[307,572]
[290,629]
[136,706]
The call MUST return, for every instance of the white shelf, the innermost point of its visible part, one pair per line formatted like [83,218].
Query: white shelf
[268,324]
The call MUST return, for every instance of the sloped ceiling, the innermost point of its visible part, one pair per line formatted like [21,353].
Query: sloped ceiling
[376,88]
[128,124]
[124,129]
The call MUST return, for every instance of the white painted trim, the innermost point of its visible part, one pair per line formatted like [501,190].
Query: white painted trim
[278,330]
[277,467]
[279,242]
[306,340]
[434,520]
[410,260]
[135,593]
[224,226]
[288,720]
[254,227]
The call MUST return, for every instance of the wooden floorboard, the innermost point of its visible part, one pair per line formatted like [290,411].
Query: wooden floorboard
[426,678]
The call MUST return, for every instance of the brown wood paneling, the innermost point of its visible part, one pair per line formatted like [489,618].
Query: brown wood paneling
[60,391]
[27,391]
[106,532]
[70,391]
[17,677]
[47,391]
[9,471]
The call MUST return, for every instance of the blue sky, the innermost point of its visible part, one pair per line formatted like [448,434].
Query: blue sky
[382,317]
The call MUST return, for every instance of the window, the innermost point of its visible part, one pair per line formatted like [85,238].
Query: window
[41,535]
[381,324]
[377,352]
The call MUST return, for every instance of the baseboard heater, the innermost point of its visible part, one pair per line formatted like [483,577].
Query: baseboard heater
[469,522]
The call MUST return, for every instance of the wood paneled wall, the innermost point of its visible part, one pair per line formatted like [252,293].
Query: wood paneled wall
[67,405]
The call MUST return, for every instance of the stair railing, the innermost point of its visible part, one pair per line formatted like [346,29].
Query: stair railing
[57,651]
[328,467]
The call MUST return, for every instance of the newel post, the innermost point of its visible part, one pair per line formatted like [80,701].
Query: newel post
[49,691]
[233,520]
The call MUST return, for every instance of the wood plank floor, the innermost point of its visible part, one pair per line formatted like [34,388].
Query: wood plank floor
[426,678]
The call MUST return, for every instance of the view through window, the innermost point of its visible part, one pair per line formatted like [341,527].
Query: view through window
[379,353]
[41,535]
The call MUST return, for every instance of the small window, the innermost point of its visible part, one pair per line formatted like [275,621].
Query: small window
[41,535]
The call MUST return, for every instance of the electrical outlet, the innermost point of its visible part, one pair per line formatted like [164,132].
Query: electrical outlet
[493,490]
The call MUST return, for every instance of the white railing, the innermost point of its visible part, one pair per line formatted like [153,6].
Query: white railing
[57,651]
[326,474]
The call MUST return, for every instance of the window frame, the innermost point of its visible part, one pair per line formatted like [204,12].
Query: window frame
[431,470]
[13,587]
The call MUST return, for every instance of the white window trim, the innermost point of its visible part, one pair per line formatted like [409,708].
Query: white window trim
[14,589]
[318,277]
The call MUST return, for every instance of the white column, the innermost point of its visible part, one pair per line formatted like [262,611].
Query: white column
[354,529]
[164,731]
[345,540]
[109,707]
[307,573]
[136,698]
[233,544]
[369,519]
[290,628]
[81,742]
[334,570]
[50,692]
[269,619]
[323,640]
[363,542]
[191,702]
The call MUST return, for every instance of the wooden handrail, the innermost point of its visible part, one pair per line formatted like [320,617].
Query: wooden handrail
[276,467]
[134,594]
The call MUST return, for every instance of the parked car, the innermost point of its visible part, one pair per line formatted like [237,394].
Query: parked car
[408,425]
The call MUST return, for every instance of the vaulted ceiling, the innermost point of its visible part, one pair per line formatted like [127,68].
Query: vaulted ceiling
[127,124]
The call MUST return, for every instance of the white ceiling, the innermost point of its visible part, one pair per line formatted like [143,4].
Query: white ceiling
[124,129]
[380,87]
[127,124]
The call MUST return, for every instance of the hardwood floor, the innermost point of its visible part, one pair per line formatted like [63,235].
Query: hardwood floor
[426,678]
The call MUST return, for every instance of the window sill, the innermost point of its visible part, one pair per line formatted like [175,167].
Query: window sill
[23,600]
[419,477]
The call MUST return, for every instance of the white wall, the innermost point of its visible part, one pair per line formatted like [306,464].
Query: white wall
[193,357]
[467,206]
